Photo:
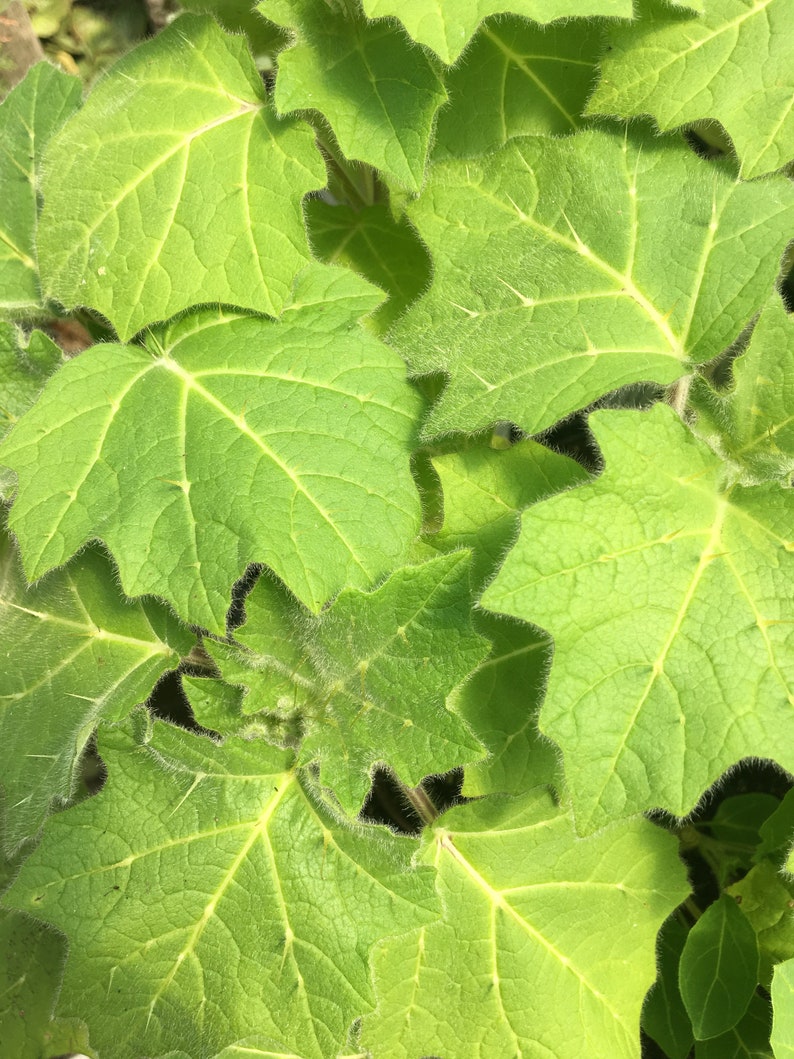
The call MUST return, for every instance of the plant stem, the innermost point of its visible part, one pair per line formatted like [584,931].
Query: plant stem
[420,800]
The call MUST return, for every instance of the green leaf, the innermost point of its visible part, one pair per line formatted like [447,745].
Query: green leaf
[777,831]
[783,1011]
[378,91]
[518,79]
[753,425]
[486,489]
[767,898]
[510,958]
[719,969]
[370,241]
[734,833]
[369,676]
[748,1039]
[208,896]
[31,958]
[664,1017]
[667,600]
[280,442]
[549,287]
[175,185]
[447,28]
[681,69]
[29,115]
[76,652]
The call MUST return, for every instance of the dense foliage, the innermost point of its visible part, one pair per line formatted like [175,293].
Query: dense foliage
[397,593]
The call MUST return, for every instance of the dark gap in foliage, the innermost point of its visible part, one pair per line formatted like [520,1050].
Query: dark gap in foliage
[572,437]
[387,802]
[93,772]
[168,702]
[235,615]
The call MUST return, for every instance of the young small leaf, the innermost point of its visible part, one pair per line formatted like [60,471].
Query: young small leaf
[718,971]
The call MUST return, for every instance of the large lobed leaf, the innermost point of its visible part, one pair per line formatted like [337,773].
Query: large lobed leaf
[208,896]
[176,184]
[567,268]
[681,69]
[254,441]
[30,114]
[75,653]
[378,91]
[667,597]
[446,26]
[511,969]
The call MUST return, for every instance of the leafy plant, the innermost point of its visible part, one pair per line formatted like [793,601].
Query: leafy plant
[396,594]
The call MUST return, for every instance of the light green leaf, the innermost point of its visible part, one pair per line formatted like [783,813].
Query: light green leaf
[667,598]
[76,652]
[680,69]
[664,1016]
[549,288]
[783,1011]
[753,425]
[447,27]
[369,676]
[486,489]
[208,896]
[257,441]
[510,969]
[26,361]
[240,16]
[518,78]
[175,185]
[29,115]
[748,1039]
[370,241]
[378,91]
[718,972]
[500,702]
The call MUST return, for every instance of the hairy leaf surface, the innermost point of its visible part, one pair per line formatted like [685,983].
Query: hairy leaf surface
[667,597]
[550,287]
[256,441]
[75,653]
[212,897]
[681,69]
[29,115]
[378,91]
[369,676]
[517,973]
[176,184]
[447,27]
